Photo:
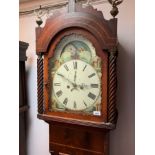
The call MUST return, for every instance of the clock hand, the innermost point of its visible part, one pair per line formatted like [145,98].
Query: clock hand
[66,79]
[75,87]
[60,75]
[82,86]
[73,84]
[75,77]
[85,86]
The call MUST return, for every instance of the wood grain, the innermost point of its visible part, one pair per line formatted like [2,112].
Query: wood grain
[70,133]
[104,57]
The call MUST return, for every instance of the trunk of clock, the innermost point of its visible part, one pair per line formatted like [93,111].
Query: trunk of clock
[66,139]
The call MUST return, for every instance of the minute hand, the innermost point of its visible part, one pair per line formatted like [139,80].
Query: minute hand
[65,78]
[75,77]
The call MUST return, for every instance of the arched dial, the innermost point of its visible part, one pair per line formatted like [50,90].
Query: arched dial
[76,85]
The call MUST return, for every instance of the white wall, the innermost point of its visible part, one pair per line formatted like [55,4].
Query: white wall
[37,130]
[121,139]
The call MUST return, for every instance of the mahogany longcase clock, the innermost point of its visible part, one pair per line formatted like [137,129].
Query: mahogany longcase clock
[76,65]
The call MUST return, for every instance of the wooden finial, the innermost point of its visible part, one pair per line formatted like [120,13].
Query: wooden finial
[71,5]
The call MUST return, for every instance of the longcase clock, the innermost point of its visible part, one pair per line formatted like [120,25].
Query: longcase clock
[76,69]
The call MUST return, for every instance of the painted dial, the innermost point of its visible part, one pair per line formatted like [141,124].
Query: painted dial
[76,85]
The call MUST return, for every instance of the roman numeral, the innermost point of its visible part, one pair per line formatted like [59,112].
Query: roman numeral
[92,96]
[65,101]
[94,85]
[66,67]
[59,93]
[57,84]
[75,65]
[85,103]
[91,75]
[74,105]
[84,67]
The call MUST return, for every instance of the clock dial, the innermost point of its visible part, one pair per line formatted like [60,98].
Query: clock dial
[75,76]
[76,85]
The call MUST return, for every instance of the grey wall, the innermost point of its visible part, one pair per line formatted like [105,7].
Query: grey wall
[121,139]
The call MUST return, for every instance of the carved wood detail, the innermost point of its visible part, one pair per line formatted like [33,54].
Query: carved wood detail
[112,84]
[88,19]
[40,84]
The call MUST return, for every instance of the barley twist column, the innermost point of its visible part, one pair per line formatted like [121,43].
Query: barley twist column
[40,83]
[112,85]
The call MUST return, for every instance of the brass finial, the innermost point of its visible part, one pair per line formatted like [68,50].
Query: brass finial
[114,4]
[39,14]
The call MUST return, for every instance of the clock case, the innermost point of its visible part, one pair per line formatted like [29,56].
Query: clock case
[65,129]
